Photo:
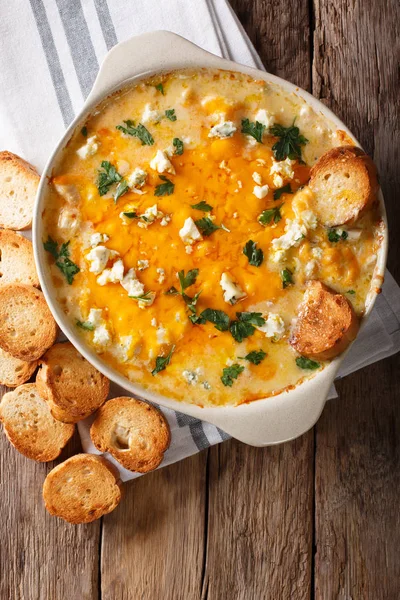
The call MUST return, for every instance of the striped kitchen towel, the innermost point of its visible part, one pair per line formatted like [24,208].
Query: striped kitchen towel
[50,52]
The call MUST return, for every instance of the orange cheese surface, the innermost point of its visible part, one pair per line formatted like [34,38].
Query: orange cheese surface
[235,177]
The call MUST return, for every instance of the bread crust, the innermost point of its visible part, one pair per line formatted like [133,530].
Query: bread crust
[27,327]
[326,324]
[134,432]
[82,489]
[29,425]
[19,181]
[71,386]
[17,264]
[344,184]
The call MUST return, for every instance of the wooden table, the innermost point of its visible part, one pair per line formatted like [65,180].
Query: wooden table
[314,518]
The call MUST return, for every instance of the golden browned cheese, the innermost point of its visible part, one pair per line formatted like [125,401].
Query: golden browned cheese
[237,176]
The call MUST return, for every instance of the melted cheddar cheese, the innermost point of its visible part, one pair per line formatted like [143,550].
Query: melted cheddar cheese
[154,233]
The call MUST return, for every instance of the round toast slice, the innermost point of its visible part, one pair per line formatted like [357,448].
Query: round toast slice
[82,489]
[326,324]
[17,264]
[29,425]
[134,432]
[14,371]
[344,183]
[18,186]
[27,327]
[73,388]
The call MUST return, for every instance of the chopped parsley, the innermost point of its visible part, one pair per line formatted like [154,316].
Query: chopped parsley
[287,278]
[85,325]
[84,131]
[218,317]
[160,88]
[255,356]
[186,281]
[162,362]
[245,325]
[122,188]
[178,145]
[166,188]
[139,132]
[63,261]
[107,177]
[286,189]
[352,292]
[202,206]
[207,227]
[170,114]
[254,254]
[306,363]
[231,373]
[335,235]
[256,129]
[131,215]
[270,215]
[147,297]
[289,143]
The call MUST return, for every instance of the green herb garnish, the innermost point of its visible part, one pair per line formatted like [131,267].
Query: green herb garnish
[164,189]
[178,145]
[218,317]
[270,215]
[287,278]
[207,227]
[131,215]
[170,114]
[286,189]
[107,177]
[254,254]
[68,268]
[85,325]
[231,373]
[122,188]
[139,132]
[202,206]
[162,362]
[290,142]
[352,292]
[256,129]
[160,88]
[245,325]
[84,131]
[334,236]
[307,363]
[255,356]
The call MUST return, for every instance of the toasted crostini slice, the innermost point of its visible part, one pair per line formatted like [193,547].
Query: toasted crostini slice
[17,264]
[27,327]
[344,183]
[14,371]
[30,426]
[18,186]
[134,432]
[326,324]
[82,489]
[72,387]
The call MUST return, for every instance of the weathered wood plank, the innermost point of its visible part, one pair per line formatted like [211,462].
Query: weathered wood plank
[153,543]
[260,521]
[357,450]
[260,500]
[41,557]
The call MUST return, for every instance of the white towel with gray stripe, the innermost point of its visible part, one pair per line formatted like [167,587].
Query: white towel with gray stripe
[50,52]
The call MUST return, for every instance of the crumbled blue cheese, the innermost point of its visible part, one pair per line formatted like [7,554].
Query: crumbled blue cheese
[98,238]
[260,191]
[113,275]
[257,178]
[191,377]
[309,219]
[142,265]
[151,116]
[224,167]
[99,257]
[165,220]
[161,163]
[232,291]
[153,322]
[189,233]
[317,252]
[131,284]
[265,118]
[294,233]
[161,275]
[282,171]
[123,349]
[274,326]
[149,216]
[222,130]
[101,335]
[310,268]
[89,149]
[136,180]
[162,335]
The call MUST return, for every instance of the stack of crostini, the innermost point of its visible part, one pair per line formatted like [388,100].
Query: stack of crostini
[39,417]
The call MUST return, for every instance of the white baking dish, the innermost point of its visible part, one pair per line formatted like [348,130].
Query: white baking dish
[262,422]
